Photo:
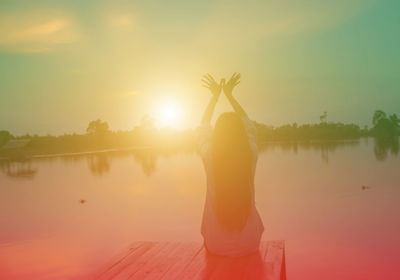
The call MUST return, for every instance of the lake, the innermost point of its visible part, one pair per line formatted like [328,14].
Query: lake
[336,205]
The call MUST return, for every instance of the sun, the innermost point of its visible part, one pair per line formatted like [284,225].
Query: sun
[169,114]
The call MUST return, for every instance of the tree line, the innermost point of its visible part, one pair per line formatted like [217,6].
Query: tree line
[98,135]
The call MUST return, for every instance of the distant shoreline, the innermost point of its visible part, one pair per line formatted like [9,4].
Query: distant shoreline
[100,139]
[144,148]
[66,154]
[91,152]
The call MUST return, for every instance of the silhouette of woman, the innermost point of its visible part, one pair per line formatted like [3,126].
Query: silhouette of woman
[231,225]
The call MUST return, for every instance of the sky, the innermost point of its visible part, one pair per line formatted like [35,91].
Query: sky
[64,63]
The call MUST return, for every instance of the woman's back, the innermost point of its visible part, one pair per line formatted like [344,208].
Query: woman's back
[230,237]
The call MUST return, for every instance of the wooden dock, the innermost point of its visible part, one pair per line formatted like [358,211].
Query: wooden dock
[169,260]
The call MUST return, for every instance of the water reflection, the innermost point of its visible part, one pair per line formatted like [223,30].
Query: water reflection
[18,169]
[99,164]
[147,159]
[383,146]
[325,148]
[314,209]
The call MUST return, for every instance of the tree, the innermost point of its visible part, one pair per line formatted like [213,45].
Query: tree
[378,116]
[385,126]
[324,117]
[4,137]
[395,119]
[97,127]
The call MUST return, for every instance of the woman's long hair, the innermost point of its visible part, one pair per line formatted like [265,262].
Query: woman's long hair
[231,166]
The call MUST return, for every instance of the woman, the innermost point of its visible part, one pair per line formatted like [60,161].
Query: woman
[231,224]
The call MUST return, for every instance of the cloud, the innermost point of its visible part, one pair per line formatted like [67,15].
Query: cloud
[44,29]
[34,32]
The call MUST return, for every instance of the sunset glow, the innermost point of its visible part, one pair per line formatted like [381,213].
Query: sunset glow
[169,114]
[201,140]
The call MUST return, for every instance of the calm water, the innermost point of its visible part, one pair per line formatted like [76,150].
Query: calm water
[336,205]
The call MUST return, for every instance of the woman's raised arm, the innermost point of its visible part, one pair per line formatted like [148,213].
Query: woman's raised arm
[228,88]
[215,88]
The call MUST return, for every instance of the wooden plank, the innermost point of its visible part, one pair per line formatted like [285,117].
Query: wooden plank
[117,259]
[121,261]
[163,261]
[176,262]
[159,263]
[137,263]
[131,260]
[209,266]
[195,269]
[185,260]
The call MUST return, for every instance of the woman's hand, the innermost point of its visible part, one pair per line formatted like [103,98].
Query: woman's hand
[228,88]
[215,88]
[230,85]
[210,83]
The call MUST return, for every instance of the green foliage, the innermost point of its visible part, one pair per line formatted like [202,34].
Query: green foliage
[99,136]
[385,126]
[323,118]
[379,115]
[5,136]
[321,131]
[97,127]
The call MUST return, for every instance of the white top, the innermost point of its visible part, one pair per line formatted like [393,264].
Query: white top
[216,239]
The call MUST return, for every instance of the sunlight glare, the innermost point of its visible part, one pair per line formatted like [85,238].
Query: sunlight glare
[169,114]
